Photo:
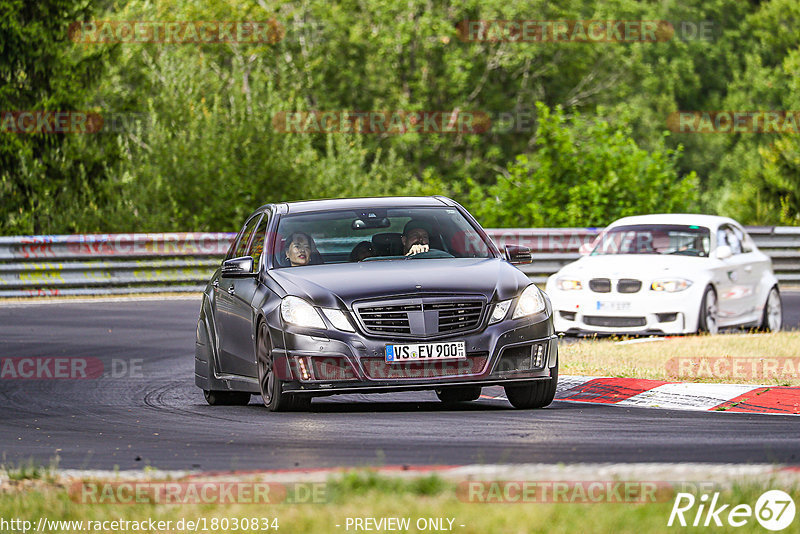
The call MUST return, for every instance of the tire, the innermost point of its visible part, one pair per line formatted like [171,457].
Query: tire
[708,319]
[271,386]
[227,398]
[452,395]
[772,317]
[534,395]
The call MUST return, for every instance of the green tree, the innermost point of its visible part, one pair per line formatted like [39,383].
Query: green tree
[583,172]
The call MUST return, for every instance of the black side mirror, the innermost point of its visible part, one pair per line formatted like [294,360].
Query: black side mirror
[238,267]
[518,255]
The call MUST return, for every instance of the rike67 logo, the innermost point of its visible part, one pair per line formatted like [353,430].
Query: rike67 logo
[774,510]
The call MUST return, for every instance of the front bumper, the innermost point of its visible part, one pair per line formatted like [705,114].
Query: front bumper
[644,312]
[332,362]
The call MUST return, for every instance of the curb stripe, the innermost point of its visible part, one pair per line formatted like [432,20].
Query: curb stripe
[610,390]
[777,400]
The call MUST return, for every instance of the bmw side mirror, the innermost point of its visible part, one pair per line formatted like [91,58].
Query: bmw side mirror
[723,252]
[518,255]
[238,267]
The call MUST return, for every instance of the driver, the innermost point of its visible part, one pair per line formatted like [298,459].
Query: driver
[416,237]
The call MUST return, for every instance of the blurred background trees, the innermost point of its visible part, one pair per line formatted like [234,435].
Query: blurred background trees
[578,136]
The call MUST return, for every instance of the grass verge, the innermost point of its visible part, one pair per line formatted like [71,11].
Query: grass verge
[369,495]
[769,359]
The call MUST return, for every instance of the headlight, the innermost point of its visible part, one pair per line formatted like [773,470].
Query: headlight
[670,285]
[299,312]
[568,284]
[500,311]
[338,319]
[530,301]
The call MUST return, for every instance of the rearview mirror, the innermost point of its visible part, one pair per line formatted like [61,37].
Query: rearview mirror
[724,252]
[238,267]
[370,223]
[518,255]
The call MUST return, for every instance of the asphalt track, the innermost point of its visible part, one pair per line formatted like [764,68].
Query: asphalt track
[154,415]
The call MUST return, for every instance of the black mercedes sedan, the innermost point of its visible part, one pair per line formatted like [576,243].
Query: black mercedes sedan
[371,295]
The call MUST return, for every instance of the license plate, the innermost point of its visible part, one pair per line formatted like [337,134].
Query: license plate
[425,351]
[613,305]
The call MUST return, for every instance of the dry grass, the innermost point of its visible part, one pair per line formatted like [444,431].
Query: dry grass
[769,359]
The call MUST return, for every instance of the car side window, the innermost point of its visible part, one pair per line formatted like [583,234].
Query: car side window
[726,236]
[257,247]
[744,240]
[244,239]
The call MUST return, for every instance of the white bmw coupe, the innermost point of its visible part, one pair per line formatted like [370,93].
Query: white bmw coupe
[667,274]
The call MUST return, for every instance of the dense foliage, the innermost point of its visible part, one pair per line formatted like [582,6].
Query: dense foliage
[578,134]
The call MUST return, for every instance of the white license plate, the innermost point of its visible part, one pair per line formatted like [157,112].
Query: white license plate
[613,305]
[414,352]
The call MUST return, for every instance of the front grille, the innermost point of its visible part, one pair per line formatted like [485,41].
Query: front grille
[628,285]
[600,285]
[378,369]
[597,320]
[388,319]
[421,317]
[455,316]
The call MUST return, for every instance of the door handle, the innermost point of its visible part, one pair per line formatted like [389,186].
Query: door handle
[231,290]
[748,268]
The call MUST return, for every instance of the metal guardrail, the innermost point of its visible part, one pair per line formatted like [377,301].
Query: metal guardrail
[108,264]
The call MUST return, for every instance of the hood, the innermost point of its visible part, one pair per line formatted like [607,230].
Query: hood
[344,283]
[641,266]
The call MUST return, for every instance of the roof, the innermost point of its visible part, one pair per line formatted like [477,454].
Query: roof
[709,221]
[307,206]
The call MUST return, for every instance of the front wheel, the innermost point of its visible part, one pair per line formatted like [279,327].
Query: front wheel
[534,395]
[709,312]
[269,384]
[772,318]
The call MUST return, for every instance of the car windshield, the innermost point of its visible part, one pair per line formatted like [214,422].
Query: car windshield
[654,239]
[379,234]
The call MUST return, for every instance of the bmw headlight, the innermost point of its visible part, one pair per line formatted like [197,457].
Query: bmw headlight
[670,285]
[499,312]
[298,312]
[568,284]
[338,319]
[531,301]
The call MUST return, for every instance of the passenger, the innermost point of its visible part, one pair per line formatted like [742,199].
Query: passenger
[362,250]
[416,237]
[299,249]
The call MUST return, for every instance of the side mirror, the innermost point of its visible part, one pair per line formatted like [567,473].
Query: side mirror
[238,267]
[518,255]
[585,249]
[723,252]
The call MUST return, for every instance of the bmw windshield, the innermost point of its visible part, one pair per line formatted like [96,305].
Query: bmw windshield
[380,234]
[654,239]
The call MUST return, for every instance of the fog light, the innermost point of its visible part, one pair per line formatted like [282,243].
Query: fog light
[569,316]
[304,373]
[666,317]
[538,355]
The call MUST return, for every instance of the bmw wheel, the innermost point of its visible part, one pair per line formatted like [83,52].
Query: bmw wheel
[772,318]
[709,312]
